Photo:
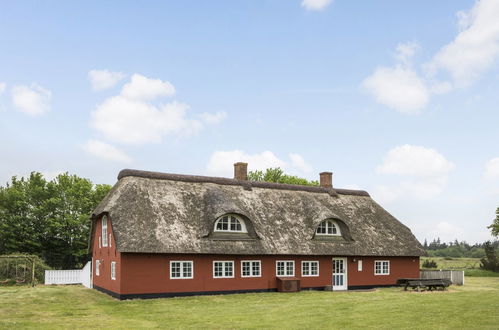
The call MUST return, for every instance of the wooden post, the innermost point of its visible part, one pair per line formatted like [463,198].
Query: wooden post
[33,274]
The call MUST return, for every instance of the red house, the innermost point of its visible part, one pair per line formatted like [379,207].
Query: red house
[163,235]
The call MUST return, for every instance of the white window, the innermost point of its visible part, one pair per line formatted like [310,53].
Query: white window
[97,267]
[359,265]
[309,268]
[285,268]
[251,268]
[230,223]
[100,242]
[104,231]
[381,267]
[181,269]
[113,270]
[223,269]
[110,244]
[328,227]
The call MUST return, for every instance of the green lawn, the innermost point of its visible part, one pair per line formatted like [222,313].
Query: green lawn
[454,263]
[471,266]
[475,305]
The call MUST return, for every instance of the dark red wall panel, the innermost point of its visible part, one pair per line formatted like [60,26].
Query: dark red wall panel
[138,273]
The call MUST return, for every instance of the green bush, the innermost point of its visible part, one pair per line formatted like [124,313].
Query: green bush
[430,264]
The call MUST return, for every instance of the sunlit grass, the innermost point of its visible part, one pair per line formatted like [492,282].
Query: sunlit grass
[474,305]
[471,266]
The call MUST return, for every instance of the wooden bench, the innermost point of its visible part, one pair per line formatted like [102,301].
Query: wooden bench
[424,283]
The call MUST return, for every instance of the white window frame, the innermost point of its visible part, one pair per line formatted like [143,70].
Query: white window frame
[251,262]
[110,244]
[382,272]
[224,262]
[285,268]
[238,218]
[113,270]
[104,231]
[100,242]
[334,224]
[359,265]
[309,268]
[182,276]
[97,267]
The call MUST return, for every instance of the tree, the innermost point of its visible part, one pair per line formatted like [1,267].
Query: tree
[49,218]
[490,262]
[494,227]
[277,175]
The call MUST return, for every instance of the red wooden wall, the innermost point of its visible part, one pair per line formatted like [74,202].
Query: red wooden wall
[138,273]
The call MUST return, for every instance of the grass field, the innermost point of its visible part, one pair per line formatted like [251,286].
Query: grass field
[471,266]
[474,305]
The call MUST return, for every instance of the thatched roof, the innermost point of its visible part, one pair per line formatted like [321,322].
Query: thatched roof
[169,213]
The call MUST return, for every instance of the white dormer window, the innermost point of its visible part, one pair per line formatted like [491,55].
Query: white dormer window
[230,223]
[104,231]
[328,227]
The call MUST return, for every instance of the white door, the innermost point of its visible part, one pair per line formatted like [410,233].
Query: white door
[340,274]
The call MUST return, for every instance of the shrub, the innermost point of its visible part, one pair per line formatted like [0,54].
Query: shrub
[430,264]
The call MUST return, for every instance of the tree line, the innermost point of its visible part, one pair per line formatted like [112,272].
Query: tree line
[457,249]
[50,219]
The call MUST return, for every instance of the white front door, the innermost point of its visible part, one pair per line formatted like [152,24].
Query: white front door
[340,274]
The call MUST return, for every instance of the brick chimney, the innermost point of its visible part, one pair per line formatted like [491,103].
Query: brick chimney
[241,171]
[326,179]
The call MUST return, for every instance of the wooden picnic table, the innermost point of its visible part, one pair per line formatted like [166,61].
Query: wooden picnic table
[424,283]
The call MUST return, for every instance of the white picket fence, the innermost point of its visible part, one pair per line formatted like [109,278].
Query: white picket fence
[70,276]
[455,276]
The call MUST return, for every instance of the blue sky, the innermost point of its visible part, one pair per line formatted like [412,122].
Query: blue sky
[397,98]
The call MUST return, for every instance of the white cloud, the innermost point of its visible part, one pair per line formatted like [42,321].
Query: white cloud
[473,51]
[446,231]
[127,121]
[221,163]
[412,188]
[213,118]
[51,175]
[399,88]
[106,151]
[492,169]
[352,186]
[424,173]
[299,163]
[415,161]
[405,52]
[141,88]
[104,79]
[33,100]
[315,5]
[132,118]
[476,47]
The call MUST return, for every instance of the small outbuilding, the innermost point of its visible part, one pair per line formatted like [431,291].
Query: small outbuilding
[163,235]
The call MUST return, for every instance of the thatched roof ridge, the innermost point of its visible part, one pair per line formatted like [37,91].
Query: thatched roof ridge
[233,182]
[169,213]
